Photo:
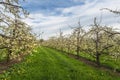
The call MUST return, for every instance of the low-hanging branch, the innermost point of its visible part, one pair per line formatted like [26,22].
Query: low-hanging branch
[3,47]
[4,36]
[10,4]
[113,11]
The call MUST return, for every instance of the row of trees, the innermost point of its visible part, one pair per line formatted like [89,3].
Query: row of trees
[96,41]
[16,37]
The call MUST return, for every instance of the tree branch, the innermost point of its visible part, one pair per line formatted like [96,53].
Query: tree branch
[4,36]
[113,11]
[10,4]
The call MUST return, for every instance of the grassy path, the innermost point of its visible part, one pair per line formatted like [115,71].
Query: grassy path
[48,64]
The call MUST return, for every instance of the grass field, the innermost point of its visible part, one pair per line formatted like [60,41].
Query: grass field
[49,64]
[105,59]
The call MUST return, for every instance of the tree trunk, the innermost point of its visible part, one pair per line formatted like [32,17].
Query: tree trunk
[68,50]
[78,51]
[8,55]
[98,59]
[78,41]
[97,48]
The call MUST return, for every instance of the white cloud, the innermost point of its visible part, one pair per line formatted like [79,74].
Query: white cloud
[51,24]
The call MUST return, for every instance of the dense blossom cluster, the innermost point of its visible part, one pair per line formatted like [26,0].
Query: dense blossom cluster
[15,36]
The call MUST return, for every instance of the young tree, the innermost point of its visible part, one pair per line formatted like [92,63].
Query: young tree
[68,43]
[100,40]
[61,40]
[79,34]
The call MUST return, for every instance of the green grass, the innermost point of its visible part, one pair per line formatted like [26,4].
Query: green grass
[105,59]
[49,64]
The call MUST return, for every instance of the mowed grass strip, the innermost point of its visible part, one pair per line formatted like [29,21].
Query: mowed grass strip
[49,64]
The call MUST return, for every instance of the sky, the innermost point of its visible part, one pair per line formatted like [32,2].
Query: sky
[49,16]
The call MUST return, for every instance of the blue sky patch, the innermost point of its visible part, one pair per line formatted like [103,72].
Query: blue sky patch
[49,6]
